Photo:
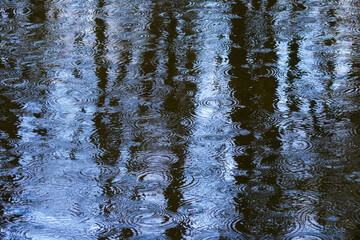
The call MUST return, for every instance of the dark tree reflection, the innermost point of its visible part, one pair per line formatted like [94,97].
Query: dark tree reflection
[9,159]
[254,64]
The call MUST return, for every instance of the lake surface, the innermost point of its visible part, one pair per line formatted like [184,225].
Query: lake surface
[166,119]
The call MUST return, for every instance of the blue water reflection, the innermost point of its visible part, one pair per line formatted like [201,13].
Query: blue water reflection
[179,120]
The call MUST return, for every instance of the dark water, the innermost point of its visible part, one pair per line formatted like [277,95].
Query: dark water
[180,119]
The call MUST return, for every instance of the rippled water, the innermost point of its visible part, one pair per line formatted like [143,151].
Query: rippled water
[180,119]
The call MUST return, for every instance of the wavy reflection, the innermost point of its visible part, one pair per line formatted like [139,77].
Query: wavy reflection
[179,120]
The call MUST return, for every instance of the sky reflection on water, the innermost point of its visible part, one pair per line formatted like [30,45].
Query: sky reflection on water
[179,120]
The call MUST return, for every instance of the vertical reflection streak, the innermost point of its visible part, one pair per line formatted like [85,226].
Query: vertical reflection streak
[10,164]
[209,159]
[292,56]
[54,129]
[255,61]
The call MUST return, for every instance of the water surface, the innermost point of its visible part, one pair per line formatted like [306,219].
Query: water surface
[180,119]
